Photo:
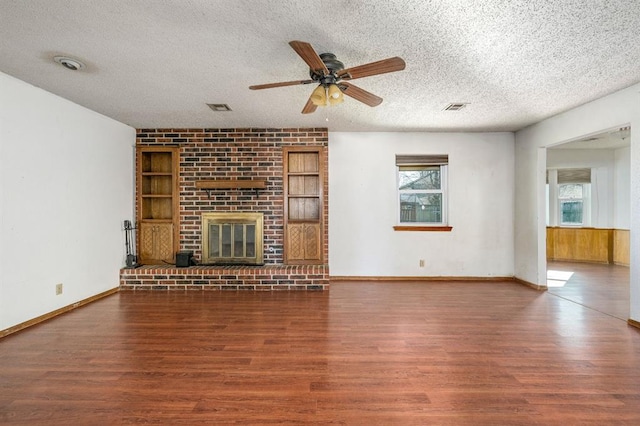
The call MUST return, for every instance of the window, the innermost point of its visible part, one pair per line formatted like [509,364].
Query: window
[422,196]
[571,198]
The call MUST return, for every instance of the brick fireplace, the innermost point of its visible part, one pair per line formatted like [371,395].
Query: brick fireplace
[233,155]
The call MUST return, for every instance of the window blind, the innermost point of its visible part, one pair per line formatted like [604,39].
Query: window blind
[574,176]
[421,160]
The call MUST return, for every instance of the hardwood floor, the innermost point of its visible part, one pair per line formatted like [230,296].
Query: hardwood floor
[364,353]
[596,286]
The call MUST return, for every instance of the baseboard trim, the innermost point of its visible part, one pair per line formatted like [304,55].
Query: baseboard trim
[532,285]
[437,279]
[417,278]
[55,313]
[633,323]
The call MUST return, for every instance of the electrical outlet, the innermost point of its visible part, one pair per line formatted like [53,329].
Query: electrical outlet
[58,289]
[422,263]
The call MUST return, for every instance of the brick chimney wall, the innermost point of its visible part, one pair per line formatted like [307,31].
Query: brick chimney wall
[247,153]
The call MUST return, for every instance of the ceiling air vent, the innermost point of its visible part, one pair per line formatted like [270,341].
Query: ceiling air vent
[455,106]
[219,107]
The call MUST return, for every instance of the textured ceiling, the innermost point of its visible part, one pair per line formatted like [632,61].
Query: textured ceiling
[158,63]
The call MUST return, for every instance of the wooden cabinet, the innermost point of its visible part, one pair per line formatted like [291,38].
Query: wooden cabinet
[303,242]
[156,241]
[303,204]
[157,204]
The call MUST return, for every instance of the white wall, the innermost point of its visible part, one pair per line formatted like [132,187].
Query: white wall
[363,206]
[66,184]
[610,112]
[621,182]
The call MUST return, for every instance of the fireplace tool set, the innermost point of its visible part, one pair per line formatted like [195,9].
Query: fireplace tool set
[132,259]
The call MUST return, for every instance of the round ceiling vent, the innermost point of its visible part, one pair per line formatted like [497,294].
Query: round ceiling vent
[69,63]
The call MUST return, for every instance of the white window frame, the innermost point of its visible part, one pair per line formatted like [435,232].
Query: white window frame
[586,206]
[443,191]
[556,177]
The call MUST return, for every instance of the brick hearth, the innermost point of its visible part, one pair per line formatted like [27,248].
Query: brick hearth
[267,277]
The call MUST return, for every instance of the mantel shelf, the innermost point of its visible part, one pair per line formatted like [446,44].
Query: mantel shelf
[210,185]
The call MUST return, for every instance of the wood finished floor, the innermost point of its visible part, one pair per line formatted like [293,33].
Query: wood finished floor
[597,286]
[365,353]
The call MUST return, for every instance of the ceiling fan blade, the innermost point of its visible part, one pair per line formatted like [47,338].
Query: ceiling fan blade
[360,94]
[309,55]
[281,84]
[373,68]
[309,107]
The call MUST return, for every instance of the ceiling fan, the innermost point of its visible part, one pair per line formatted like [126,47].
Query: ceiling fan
[331,76]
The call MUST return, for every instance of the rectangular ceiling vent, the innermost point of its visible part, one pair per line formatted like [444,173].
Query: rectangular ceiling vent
[219,107]
[455,106]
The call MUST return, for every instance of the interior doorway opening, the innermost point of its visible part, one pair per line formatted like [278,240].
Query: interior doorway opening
[588,220]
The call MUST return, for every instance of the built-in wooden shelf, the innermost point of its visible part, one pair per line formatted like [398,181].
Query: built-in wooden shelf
[303,176]
[157,194]
[209,185]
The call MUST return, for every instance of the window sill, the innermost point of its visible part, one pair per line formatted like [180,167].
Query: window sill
[423,228]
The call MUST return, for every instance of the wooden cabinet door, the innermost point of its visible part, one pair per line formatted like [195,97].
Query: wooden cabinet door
[303,241]
[156,242]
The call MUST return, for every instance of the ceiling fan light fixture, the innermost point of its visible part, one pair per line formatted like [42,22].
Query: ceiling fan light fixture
[329,73]
[336,101]
[319,96]
[335,95]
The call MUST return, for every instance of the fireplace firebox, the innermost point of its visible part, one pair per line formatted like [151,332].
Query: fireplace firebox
[232,238]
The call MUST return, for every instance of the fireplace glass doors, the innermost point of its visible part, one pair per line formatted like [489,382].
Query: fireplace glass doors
[232,238]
